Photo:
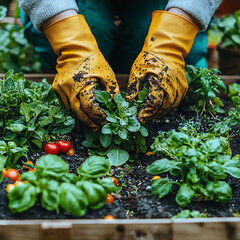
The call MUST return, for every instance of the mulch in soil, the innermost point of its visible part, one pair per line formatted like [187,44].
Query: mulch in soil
[134,199]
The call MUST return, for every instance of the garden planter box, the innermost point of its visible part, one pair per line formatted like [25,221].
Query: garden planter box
[223,228]
[229,60]
[149,229]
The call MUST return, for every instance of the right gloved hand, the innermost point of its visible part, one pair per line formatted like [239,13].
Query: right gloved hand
[80,66]
[161,62]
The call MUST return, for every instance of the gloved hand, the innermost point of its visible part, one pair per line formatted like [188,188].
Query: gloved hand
[161,62]
[80,66]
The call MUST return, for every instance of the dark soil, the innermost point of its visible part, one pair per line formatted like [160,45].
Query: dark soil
[134,200]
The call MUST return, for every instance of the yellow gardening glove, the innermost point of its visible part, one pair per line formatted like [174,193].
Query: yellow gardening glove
[80,66]
[161,62]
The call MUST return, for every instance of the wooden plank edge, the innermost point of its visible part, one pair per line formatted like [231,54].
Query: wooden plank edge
[122,229]
[121,221]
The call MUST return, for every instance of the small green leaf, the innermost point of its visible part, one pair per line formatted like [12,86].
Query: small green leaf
[106,129]
[51,166]
[73,199]
[30,176]
[105,140]
[123,133]
[236,38]
[143,131]
[37,143]
[118,156]
[50,198]
[111,119]
[22,197]
[46,120]
[16,127]
[160,166]
[133,124]
[26,111]
[108,184]
[161,187]
[184,195]
[232,167]
[9,135]
[9,84]
[103,96]
[95,193]
[94,167]
[69,177]
[221,191]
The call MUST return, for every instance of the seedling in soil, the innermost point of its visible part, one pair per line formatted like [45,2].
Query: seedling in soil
[15,51]
[59,188]
[190,214]
[123,133]
[30,113]
[230,27]
[200,160]
[204,84]
[223,127]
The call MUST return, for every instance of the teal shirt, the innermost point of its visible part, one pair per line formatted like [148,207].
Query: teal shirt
[119,44]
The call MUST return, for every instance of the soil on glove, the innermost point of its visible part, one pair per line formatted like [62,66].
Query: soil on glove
[134,199]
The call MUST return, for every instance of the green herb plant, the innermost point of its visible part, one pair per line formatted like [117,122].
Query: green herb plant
[123,132]
[29,113]
[230,28]
[189,214]
[224,126]
[203,85]
[59,188]
[15,50]
[200,162]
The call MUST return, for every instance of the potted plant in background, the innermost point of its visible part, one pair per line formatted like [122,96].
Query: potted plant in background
[229,47]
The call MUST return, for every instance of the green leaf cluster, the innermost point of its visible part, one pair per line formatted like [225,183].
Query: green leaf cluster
[15,50]
[224,126]
[200,160]
[189,214]
[203,86]
[29,111]
[123,132]
[230,27]
[59,188]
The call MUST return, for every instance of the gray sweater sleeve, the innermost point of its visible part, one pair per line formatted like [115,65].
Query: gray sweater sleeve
[41,10]
[200,10]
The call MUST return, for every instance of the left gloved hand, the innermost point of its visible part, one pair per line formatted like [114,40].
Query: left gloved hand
[80,67]
[161,62]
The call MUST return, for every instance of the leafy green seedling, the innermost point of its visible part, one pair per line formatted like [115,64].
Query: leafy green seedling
[123,132]
[230,27]
[224,126]
[59,188]
[204,84]
[189,214]
[29,112]
[201,162]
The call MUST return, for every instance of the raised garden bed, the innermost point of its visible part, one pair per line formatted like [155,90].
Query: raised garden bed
[140,215]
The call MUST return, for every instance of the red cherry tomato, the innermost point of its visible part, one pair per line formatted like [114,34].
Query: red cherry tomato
[115,181]
[64,146]
[13,174]
[109,199]
[51,148]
